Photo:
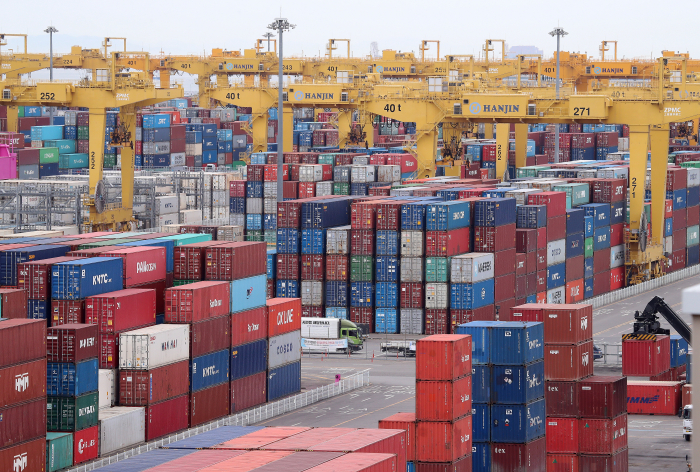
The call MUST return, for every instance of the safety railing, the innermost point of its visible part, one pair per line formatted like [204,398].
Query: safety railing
[611,354]
[252,416]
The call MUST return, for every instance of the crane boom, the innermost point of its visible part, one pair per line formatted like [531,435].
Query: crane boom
[647,322]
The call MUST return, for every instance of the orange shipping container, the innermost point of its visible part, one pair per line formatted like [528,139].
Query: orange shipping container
[283,315]
[646,357]
[574,291]
[562,463]
[407,422]
[653,398]
[443,441]
[567,324]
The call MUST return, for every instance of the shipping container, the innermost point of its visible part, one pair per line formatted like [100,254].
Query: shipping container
[143,387]
[646,357]
[23,382]
[122,310]
[441,441]
[447,216]
[618,462]
[360,463]
[11,258]
[562,398]
[568,361]
[167,417]
[654,398]
[248,359]
[141,265]
[85,445]
[248,293]
[515,343]
[235,261]
[443,400]
[154,346]
[35,276]
[443,357]
[494,239]
[472,296]
[283,315]
[283,381]
[71,413]
[247,392]
[495,212]
[197,301]
[602,436]
[562,435]
[71,379]
[470,268]
[407,422]
[59,451]
[480,332]
[71,343]
[517,423]
[209,404]
[209,370]
[121,427]
[84,278]
[517,384]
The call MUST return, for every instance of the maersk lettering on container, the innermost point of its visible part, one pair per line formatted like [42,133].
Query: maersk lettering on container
[473,267]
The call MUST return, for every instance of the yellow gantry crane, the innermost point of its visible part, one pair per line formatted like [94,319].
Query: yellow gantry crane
[110,89]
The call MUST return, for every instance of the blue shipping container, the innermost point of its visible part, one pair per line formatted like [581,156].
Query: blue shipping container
[271,263]
[481,383]
[313,241]
[160,120]
[495,212]
[386,296]
[38,309]
[287,241]
[574,245]
[601,238]
[387,243]
[9,259]
[588,267]
[337,312]
[679,351]
[209,370]
[254,189]
[86,277]
[326,213]
[168,244]
[386,320]
[471,296]
[386,269]
[587,288]
[692,197]
[678,197]
[668,227]
[588,229]
[236,205]
[361,295]
[336,294]
[517,423]
[71,380]
[481,457]
[515,343]
[413,216]
[248,359]
[480,331]
[481,422]
[617,213]
[517,384]
[575,221]
[600,213]
[283,381]
[248,293]
[447,216]
[270,221]
[287,289]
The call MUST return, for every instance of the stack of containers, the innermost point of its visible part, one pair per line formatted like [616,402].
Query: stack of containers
[283,347]
[551,240]
[392,290]
[692,203]
[443,402]
[237,202]
[676,183]
[531,244]
[204,308]
[34,277]
[248,373]
[406,422]
[23,387]
[448,235]
[472,279]
[362,269]
[509,412]
[599,218]
[72,398]
[288,263]
[612,192]
[411,267]
[337,270]
[312,267]
[575,255]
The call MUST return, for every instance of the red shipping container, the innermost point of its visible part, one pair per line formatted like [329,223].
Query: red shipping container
[197,301]
[289,214]
[283,315]
[677,260]
[541,262]
[288,266]
[363,316]
[542,297]
[528,312]
[312,267]
[602,436]
[388,441]
[14,303]
[503,262]
[290,189]
[556,228]
[676,178]
[443,441]
[270,288]
[159,287]
[188,260]
[562,435]
[617,278]
[532,283]
[22,422]
[355,463]
[23,382]
[608,190]
[574,291]
[236,260]
[601,283]
[93,252]
[461,465]
[555,202]
[542,281]
[142,265]
[568,361]
[167,417]
[443,400]
[256,172]
[693,216]
[248,326]
[562,398]
[567,324]
[606,139]
[307,189]
[209,404]
[494,239]
[336,267]
[362,242]
[108,351]
[485,313]
[35,276]
[679,239]
[71,343]
[67,311]
[237,188]
[210,335]
[30,456]
[436,321]
[312,311]
[521,287]
[654,398]
[412,295]
[541,239]
[122,310]
[85,445]
[443,357]
[521,263]
[601,262]
[525,240]
[618,462]
[645,357]
[270,173]
[248,392]
[447,243]
[504,288]
[562,462]
[363,215]
[680,219]
[146,387]
[617,234]
[687,395]
[528,457]
[574,268]
[602,396]
[407,422]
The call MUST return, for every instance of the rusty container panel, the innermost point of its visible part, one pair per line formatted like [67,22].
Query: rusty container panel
[248,392]
[210,335]
[561,399]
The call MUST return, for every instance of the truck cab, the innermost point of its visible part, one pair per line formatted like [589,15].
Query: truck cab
[352,333]
[687,422]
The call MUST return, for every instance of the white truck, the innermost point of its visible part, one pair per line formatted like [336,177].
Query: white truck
[329,335]
[687,422]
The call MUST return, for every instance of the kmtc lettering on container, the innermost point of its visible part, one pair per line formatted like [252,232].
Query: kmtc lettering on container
[99,279]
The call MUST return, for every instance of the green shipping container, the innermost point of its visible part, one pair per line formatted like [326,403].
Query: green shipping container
[110,160]
[65,146]
[692,236]
[530,171]
[182,239]
[361,268]
[59,451]
[437,269]
[48,155]
[270,237]
[237,164]
[579,194]
[691,164]
[588,247]
[328,159]
[83,133]
[255,235]
[72,161]
[341,188]
[71,413]
[20,112]
[106,242]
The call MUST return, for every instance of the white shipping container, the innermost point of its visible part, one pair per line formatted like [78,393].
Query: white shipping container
[270,190]
[338,240]
[362,174]
[556,295]
[411,243]
[437,296]
[106,387]
[166,205]
[693,177]
[168,220]
[472,268]
[311,293]
[236,219]
[324,189]
[121,427]
[546,185]
[388,174]
[521,195]
[411,321]
[617,256]
[284,349]
[173,228]
[270,206]
[556,252]
[668,245]
[360,160]
[412,269]
[191,217]
[254,205]
[232,233]
[623,144]
[341,174]
[310,173]
[154,346]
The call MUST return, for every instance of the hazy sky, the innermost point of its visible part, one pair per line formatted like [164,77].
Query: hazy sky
[191,27]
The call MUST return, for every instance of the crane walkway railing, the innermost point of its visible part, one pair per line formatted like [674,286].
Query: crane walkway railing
[246,418]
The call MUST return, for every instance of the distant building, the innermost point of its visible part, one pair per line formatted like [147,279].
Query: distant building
[514,51]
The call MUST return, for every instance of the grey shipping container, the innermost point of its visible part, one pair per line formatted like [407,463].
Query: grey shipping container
[121,427]
[437,296]
[284,349]
[311,293]
[411,269]
[411,321]
[107,387]
[411,243]
[337,240]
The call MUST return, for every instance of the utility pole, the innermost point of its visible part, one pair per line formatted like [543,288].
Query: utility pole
[51,30]
[558,32]
[280,25]
[268,35]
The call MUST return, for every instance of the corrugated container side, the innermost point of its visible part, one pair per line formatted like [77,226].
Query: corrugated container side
[283,381]
[519,457]
[167,417]
[29,455]
[142,387]
[247,392]
[443,357]
[602,436]
[210,335]
[568,361]
[121,427]
[248,359]
[443,441]
[23,382]
[209,370]
[518,423]
[209,404]
[443,400]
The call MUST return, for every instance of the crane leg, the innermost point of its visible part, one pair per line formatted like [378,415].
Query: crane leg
[659,164]
[520,145]
[426,146]
[502,140]
[288,119]
[13,118]
[260,132]
[488,130]
[344,123]
[127,116]
[97,146]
